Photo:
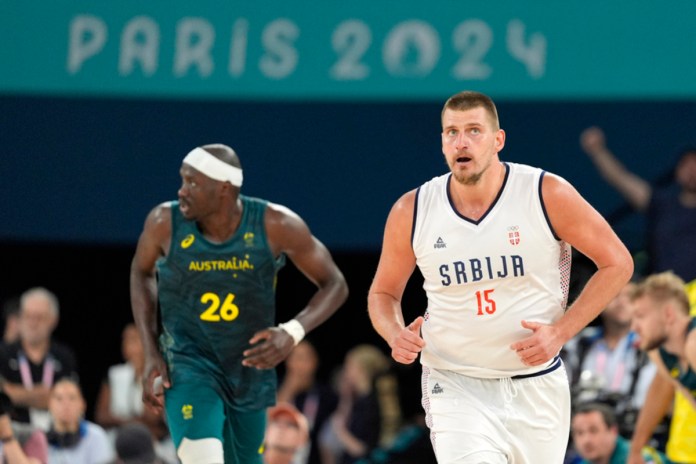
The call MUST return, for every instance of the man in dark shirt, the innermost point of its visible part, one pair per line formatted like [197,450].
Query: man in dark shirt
[31,365]
[670,211]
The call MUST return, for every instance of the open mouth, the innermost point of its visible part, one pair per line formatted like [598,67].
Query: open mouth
[463,159]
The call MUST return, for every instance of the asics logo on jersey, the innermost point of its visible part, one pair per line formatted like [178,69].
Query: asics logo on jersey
[187,411]
[187,241]
[437,389]
[440,243]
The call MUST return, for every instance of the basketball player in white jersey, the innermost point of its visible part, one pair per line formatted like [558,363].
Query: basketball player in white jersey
[492,240]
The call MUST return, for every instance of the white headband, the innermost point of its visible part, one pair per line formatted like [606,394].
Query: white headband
[207,164]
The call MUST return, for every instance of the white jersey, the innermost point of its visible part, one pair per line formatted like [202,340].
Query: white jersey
[482,278]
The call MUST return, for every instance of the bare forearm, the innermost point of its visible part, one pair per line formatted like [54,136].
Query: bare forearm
[660,395]
[11,449]
[632,187]
[143,290]
[324,303]
[353,446]
[386,315]
[36,397]
[597,293]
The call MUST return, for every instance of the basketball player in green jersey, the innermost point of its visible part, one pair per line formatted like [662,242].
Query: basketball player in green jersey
[208,262]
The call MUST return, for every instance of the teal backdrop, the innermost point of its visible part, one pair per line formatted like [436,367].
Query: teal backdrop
[365,49]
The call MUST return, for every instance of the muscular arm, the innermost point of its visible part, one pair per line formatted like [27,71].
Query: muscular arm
[660,395]
[633,188]
[35,397]
[153,243]
[576,222]
[690,352]
[288,233]
[396,264]
[13,451]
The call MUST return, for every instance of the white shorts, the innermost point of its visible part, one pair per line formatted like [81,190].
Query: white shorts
[491,421]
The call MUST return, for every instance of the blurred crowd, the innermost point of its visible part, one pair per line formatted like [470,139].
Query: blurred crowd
[626,408]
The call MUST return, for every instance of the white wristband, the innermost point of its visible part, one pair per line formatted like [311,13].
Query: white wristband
[294,329]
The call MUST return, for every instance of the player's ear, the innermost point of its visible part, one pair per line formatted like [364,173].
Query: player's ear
[500,140]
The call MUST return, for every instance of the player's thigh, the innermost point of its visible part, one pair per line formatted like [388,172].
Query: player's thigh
[194,411]
[462,435]
[464,426]
[540,424]
[243,437]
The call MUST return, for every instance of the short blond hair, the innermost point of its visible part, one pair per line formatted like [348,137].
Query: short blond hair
[469,100]
[663,287]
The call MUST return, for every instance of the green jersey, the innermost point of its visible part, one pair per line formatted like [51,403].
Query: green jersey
[684,375]
[212,299]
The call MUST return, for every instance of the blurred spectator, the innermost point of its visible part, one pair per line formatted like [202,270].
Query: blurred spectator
[316,401]
[411,443]
[10,317]
[605,364]
[662,320]
[287,433]
[20,443]
[681,446]
[671,212]
[135,445]
[31,365]
[71,438]
[356,426]
[120,399]
[596,437]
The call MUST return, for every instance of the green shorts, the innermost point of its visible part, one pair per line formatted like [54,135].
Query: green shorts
[195,410]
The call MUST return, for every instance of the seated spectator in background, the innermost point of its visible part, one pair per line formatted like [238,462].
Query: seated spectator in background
[671,212]
[355,428]
[120,399]
[30,366]
[10,317]
[315,400]
[597,441]
[605,364]
[287,433]
[411,443]
[71,438]
[661,319]
[135,445]
[20,443]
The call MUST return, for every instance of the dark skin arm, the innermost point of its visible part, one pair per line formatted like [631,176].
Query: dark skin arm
[288,233]
[152,244]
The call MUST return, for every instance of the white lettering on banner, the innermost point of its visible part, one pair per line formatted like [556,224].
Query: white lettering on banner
[238,46]
[87,38]
[410,49]
[194,41]
[350,40]
[472,39]
[140,42]
[278,38]
[533,55]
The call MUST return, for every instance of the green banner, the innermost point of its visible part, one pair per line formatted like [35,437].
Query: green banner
[358,49]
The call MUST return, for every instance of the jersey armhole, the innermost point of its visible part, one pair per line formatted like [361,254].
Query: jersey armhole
[172,234]
[543,207]
[415,216]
